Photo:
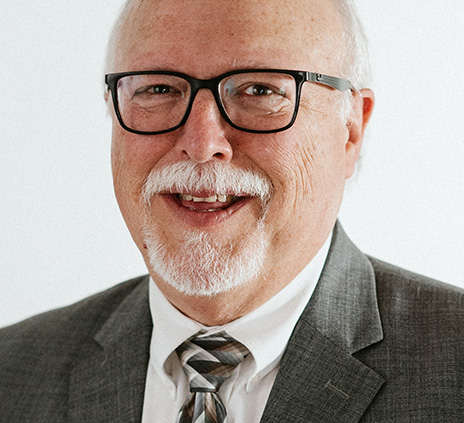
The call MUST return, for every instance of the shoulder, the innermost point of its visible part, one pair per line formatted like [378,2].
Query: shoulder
[415,304]
[57,332]
[406,290]
[36,355]
[420,356]
[422,320]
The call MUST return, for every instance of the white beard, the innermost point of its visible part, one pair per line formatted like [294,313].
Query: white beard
[201,266]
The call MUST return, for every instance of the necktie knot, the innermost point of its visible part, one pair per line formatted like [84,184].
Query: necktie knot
[208,361]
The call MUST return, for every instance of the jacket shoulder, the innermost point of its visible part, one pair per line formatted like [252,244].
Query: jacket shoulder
[56,323]
[52,339]
[36,355]
[421,356]
[416,303]
[404,285]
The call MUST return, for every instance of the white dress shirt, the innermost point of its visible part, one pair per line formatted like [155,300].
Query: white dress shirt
[265,332]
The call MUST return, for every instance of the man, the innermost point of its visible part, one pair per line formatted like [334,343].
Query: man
[235,126]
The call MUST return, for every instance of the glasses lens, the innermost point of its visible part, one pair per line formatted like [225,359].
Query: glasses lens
[151,103]
[260,101]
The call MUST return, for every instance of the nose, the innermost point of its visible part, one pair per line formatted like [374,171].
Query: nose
[203,138]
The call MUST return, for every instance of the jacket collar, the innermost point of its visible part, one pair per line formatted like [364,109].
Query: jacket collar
[344,305]
[107,381]
[319,379]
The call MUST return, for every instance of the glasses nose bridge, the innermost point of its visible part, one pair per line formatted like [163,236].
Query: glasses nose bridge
[210,84]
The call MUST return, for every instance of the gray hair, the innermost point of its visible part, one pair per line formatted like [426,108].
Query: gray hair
[356,66]
[355,62]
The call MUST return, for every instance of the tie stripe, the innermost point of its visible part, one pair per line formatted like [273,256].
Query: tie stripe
[208,361]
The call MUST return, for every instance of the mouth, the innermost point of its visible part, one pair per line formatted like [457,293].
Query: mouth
[207,202]
[205,209]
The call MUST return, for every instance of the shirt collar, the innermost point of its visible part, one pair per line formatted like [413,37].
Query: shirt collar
[264,331]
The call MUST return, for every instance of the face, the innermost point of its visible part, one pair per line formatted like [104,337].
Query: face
[302,170]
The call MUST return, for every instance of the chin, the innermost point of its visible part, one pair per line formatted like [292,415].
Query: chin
[203,267]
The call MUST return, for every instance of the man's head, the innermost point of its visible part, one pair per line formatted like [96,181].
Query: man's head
[269,199]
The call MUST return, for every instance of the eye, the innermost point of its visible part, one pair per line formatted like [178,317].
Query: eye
[161,89]
[154,89]
[259,90]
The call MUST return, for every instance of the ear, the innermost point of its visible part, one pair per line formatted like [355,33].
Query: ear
[108,101]
[363,105]
[106,93]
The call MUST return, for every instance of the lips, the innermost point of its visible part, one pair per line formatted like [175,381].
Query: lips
[192,211]
[207,202]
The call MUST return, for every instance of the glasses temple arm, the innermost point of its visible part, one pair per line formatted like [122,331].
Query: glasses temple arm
[330,81]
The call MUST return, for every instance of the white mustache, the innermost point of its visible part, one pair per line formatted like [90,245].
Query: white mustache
[187,177]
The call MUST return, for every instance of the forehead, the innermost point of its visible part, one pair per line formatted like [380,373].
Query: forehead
[214,35]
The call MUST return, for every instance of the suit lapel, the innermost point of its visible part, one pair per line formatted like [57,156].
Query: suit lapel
[319,379]
[108,380]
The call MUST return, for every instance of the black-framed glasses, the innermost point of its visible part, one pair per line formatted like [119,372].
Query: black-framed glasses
[251,100]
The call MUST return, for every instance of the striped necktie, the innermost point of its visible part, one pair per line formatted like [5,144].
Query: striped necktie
[208,361]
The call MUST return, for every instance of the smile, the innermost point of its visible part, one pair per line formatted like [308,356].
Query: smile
[221,198]
[209,203]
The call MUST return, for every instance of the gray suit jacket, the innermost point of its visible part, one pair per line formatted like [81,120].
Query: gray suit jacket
[374,344]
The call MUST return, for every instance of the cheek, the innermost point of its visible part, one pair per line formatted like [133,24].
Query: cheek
[307,171]
[127,167]
[132,158]
[293,161]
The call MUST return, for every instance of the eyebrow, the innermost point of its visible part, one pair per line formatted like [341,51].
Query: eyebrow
[236,64]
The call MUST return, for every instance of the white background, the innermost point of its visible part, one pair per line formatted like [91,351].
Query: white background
[62,237]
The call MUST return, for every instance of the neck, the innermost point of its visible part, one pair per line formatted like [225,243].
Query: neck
[220,309]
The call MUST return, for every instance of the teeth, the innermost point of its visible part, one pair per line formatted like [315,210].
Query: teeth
[222,198]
